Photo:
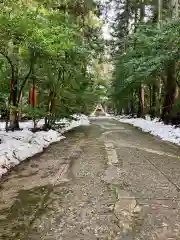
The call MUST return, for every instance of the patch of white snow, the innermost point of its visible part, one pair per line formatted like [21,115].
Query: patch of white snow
[17,146]
[155,127]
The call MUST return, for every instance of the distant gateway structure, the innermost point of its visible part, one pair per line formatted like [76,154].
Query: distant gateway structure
[99,111]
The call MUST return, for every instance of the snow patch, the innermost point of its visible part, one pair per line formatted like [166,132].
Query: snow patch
[155,127]
[17,146]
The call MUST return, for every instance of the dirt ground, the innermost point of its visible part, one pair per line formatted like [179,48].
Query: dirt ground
[105,181]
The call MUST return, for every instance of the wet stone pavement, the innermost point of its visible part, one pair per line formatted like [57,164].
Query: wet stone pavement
[106,181]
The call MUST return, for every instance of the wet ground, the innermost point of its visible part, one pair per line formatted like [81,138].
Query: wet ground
[105,181]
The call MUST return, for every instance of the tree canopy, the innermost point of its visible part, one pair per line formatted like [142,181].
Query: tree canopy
[145,55]
[49,46]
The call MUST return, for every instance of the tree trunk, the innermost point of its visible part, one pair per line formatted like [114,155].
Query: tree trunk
[154,101]
[160,8]
[141,102]
[132,108]
[150,99]
[174,8]
[127,110]
[170,92]
[170,88]
[119,111]
[132,104]
[161,94]
[51,107]
[33,97]
[14,119]
[141,88]
[7,119]
[45,127]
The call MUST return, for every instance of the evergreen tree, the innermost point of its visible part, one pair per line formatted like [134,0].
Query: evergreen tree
[145,58]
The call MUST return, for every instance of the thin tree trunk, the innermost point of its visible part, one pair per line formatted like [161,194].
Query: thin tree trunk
[150,99]
[161,95]
[132,108]
[141,88]
[141,102]
[160,7]
[33,96]
[170,92]
[154,100]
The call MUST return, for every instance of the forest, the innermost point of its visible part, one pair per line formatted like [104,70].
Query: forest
[145,55]
[54,59]
[50,56]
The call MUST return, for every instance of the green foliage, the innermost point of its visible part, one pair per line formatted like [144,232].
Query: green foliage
[33,113]
[50,45]
[149,51]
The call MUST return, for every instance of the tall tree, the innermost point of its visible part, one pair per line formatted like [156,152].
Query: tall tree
[170,84]
[141,88]
[49,45]
[149,60]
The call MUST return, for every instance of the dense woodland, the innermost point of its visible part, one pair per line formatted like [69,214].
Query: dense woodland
[145,51]
[50,59]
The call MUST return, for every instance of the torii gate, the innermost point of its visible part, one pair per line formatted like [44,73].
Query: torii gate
[98,108]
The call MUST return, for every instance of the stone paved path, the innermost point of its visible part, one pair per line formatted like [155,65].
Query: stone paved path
[105,181]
